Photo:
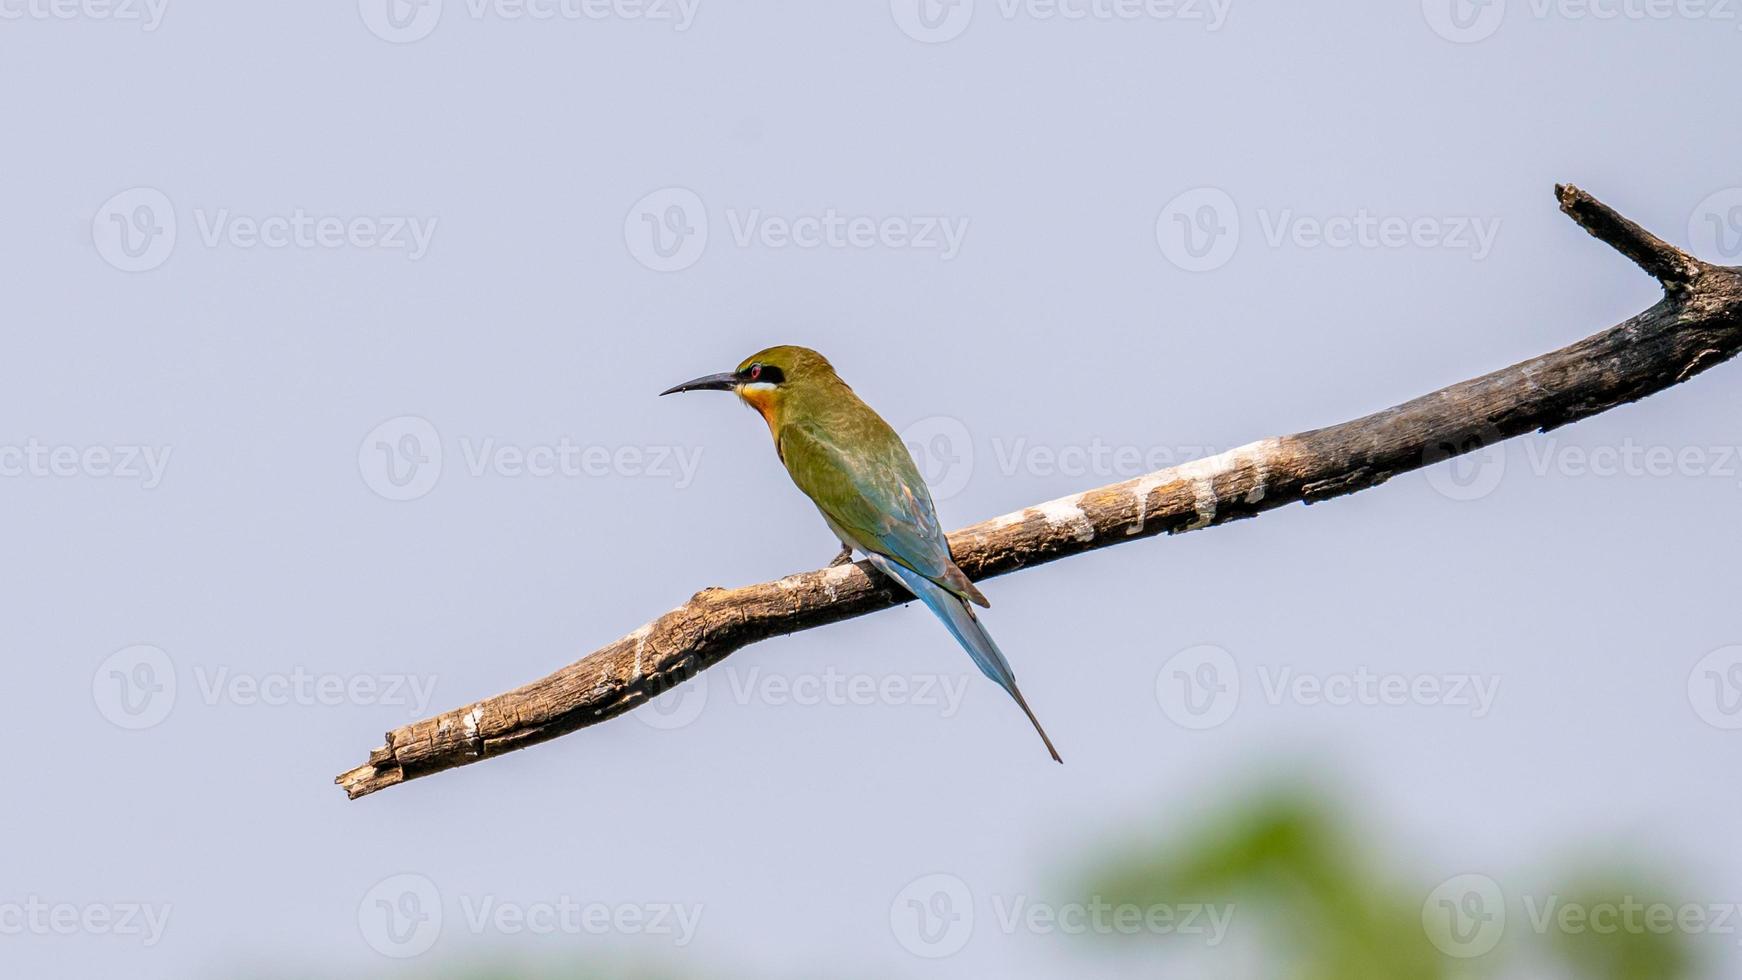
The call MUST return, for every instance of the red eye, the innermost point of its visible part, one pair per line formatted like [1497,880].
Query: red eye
[755,371]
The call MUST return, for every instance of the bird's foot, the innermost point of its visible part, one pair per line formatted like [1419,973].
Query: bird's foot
[844,557]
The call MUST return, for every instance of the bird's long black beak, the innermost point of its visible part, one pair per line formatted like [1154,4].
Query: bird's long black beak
[712,382]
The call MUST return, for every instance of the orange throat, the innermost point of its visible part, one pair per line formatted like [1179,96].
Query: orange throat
[766,401]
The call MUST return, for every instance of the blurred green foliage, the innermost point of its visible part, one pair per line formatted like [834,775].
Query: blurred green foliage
[1323,901]
[1283,860]
[1625,954]
[1318,898]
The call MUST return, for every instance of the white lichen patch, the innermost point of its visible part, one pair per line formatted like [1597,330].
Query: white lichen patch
[1068,512]
[470,721]
[1144,486]
[640,638]
[600,690]
[834,578]
[1259,455]
[1260,471]
[1202,474]
[1203,505]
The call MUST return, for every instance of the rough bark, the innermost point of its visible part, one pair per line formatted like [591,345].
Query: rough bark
[1696,325]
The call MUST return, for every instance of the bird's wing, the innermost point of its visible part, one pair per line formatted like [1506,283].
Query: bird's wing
[877,495]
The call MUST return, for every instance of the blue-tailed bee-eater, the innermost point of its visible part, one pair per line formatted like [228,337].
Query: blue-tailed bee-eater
[857,471]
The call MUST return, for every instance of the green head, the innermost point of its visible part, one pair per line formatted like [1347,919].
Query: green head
[767,379]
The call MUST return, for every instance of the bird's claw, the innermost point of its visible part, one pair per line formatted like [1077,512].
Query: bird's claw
[844,557]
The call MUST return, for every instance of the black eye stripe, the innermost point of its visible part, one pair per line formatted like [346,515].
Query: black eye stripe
[762,374]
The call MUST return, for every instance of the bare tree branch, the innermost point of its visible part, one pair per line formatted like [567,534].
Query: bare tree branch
[1696,325]
[1666,263]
